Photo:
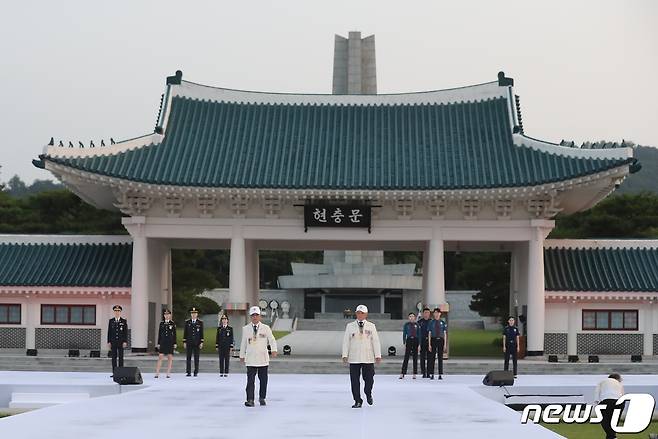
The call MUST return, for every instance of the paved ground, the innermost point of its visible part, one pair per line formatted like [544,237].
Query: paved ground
[299,406]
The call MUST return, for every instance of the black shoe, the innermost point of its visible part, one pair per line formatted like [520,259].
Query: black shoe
[440,377]
[188,374]
[249,404]
[262,402]
[431,377]
[369,399]
[357,405]
[196,373]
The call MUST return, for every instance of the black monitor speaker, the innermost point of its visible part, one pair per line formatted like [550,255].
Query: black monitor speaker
[499,378]
[127,375]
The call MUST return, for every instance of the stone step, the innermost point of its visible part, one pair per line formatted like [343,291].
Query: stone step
[339,324]
[332,365]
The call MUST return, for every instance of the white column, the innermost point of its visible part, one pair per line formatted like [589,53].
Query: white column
[572,328]
[323,302]
[30,322]
[237,282]
[252,274]
[102,317]
[139,293]
[648,328]
[536,303]
[435,293]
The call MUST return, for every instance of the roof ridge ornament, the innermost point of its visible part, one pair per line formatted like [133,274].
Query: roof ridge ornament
[504,81]
[176,79]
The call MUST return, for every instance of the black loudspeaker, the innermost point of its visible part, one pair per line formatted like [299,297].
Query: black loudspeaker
[31,353]
[74,352]
[94,354]
[552,358]
[636,358]
[499,378]
[127,375]
[573,359]
[593,359]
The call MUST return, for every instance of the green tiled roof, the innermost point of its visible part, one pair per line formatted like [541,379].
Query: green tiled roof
[343,146]
[601,269]
[75,265]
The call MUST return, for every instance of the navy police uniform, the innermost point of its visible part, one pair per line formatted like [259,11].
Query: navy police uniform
[424,345]
[193,339]
[224,344]
[166,337]
[437,330]
[510,333]
[410,334]
[117,335]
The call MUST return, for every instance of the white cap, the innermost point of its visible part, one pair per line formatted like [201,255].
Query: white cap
[362,308]
[254,310]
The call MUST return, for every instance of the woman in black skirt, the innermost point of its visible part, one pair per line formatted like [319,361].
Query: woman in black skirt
[224,344]
[166,342]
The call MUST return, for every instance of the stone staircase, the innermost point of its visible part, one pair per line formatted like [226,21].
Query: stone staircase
[332,365]
[326,324]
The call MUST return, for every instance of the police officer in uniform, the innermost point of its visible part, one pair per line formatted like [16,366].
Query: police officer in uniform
[424,344]
[117,336]
[361,349]
[437,330]
[166,342]
[410,334]
[253,353]
[511,344]
[224,344]
[193,340]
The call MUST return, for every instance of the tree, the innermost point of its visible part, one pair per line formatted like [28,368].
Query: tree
[16,186]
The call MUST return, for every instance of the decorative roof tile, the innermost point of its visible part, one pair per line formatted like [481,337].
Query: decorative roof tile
[601,268]
[65,264]
[409,146]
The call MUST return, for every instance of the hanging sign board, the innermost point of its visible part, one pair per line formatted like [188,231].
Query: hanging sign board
[342,216]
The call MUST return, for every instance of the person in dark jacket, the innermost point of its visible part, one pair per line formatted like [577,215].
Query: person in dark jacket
[166,342]
[437,330]
[424,345]
[511,344]
[117,337]
[224,344]
[193,341]
[410,334]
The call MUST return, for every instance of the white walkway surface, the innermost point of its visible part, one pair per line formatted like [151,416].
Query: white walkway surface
[299,406]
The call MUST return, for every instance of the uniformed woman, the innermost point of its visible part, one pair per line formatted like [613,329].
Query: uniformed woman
[166,342]
[224,344]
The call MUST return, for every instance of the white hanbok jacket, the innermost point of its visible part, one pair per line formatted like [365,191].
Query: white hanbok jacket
[361,346]
[254,349]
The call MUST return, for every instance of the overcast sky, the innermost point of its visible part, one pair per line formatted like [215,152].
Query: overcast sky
[83,70]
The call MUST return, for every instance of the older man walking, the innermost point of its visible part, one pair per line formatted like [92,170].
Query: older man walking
[361,349]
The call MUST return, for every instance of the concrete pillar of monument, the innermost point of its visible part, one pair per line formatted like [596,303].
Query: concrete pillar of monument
[572,328]
[238,300]
[435,292]
[252,273]
[139,295]
[536,301]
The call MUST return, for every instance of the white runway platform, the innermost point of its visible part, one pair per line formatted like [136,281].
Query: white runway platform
[314,406]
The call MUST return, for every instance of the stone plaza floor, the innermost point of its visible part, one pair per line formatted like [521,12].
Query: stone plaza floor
[299,406]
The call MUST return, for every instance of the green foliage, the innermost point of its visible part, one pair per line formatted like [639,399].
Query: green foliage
[619,216]
[474,343]
[489,274]
[55,212]
[645,180]
[594,431]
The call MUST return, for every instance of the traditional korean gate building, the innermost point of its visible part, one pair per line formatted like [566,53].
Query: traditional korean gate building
[438,170]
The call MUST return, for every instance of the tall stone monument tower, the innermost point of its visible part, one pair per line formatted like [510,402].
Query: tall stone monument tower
[354,65]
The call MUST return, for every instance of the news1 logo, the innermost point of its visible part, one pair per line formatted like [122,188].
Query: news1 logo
[638,415]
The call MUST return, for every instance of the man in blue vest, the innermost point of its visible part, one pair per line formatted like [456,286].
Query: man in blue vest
[410,334]
[423,337]
[511,344]
[437,330]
